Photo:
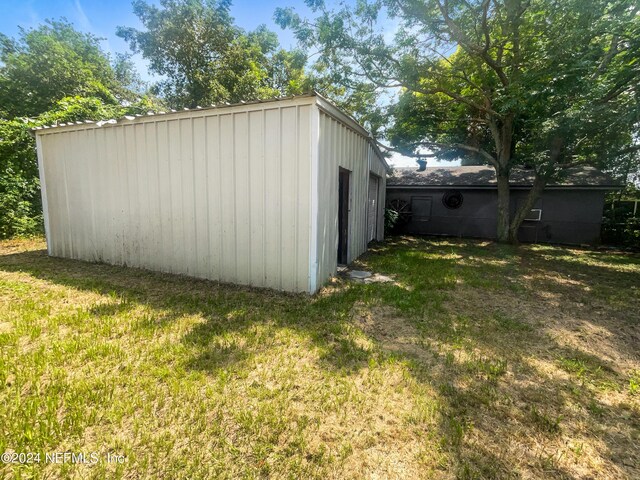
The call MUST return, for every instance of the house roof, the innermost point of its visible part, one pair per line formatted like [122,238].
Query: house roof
[485,177]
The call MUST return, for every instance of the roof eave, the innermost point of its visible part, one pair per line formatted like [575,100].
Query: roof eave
[70,126]
[329,108]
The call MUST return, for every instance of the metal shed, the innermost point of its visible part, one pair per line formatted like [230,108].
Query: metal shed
[267,194]
[462,202]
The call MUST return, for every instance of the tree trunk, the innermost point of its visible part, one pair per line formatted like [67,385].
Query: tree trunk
[503,137]
[538,186]
[503,206]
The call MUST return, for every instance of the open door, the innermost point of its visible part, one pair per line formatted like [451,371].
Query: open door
[372,209]
[343,215]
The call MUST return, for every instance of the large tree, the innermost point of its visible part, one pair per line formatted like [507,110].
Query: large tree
[205,58]
[53,61]
[542,84]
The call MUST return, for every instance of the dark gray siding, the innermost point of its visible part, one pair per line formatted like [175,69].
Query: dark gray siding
[568,216]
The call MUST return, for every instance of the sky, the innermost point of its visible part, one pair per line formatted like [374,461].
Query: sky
[101,17]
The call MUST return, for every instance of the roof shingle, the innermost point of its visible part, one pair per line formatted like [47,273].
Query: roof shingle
[484,177]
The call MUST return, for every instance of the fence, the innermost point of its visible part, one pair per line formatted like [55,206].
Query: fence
[621,223]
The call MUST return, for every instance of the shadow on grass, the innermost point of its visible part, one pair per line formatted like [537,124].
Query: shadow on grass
[548,406]
[225,308]
[476,396]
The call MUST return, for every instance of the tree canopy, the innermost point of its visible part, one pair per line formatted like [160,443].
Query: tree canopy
[53,61]
[205,58]
[541,84]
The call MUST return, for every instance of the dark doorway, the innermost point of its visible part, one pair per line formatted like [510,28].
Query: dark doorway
[343,215]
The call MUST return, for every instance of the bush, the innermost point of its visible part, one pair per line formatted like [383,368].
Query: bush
[390,220]
[20,204]
[623,233]
[620,226]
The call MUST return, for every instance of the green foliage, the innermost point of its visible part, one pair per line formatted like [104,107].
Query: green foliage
[72,109]
[20,209]
[334,74]
[285,72]
[634,382]
[570,101]
[51,62]
[126,74]
[205,58]
[621,222]
[390,220]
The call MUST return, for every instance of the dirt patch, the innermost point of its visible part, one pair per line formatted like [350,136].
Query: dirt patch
[587,328]
[560,405]
[567,387]
[391,331]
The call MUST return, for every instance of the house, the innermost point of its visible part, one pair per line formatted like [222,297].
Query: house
[462,202]
[269,194]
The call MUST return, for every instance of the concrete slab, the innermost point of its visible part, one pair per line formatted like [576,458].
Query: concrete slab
[359,274]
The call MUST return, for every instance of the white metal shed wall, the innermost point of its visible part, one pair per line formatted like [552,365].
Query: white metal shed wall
[342,146]
[218,194]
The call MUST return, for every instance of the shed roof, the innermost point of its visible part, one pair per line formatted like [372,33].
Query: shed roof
[485,177]
[312,96]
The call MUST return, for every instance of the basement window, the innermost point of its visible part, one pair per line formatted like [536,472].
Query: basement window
[534,215]
[452,199]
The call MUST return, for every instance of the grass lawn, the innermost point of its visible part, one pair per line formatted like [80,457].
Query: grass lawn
[479,361]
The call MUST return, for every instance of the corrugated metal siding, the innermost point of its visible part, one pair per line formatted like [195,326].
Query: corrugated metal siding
[377,168]
[223,195]
[340,146]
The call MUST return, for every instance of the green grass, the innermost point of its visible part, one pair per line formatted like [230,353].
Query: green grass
[478,361]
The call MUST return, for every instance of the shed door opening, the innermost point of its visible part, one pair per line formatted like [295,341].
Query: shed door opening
[372,212]
[343,215]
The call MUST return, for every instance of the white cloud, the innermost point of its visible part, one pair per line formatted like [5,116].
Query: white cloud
[82,18]
[34,18]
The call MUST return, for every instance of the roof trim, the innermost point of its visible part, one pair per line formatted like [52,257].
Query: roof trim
[79,125]
[332,110]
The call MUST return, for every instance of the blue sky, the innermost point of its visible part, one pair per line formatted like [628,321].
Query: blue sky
[101,17]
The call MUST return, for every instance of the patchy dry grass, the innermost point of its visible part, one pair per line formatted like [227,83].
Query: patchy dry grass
[479,361]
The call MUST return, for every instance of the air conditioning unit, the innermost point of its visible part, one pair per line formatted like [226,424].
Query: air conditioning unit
[534,215]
